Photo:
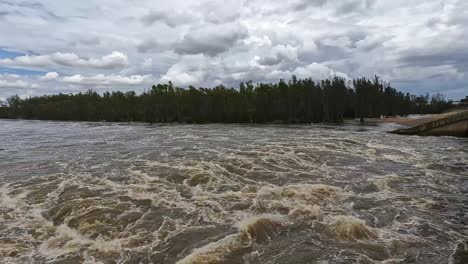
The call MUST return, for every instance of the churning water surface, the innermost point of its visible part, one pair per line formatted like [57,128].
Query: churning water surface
[134,193]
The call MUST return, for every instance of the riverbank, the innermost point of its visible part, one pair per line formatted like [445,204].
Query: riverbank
[416,120]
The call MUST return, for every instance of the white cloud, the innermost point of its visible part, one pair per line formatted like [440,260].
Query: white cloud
[318,72]
[181,79]
[14,81]
[205,42]
[106,80]
[211,39]
[279,54]
[111,61]
[200,70]
[219,12]
[49,76]
[10,76]
[171,18]
[14,84]
[52,82]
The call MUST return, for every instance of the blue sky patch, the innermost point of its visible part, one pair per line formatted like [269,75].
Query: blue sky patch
[6,54]
[20,71]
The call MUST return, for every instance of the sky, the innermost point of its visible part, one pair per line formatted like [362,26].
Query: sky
[56,46]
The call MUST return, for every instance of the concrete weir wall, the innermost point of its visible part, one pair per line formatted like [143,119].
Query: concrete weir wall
[453,125]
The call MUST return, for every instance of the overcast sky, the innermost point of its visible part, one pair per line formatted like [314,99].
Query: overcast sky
[53,46]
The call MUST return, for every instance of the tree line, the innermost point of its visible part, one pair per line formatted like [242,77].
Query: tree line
[293,101]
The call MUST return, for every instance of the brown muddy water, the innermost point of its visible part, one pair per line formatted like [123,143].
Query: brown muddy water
[120,193]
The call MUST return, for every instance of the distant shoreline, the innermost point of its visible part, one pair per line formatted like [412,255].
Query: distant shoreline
[367,121]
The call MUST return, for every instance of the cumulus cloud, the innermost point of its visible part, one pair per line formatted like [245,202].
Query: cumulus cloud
[318,72]
[110,61]
[211,40]
[189,71]
[279,54]
[205,42]
[106,80]
[14,81]
[183,79]
[220,12]
[52,82]
[169,17]
[14,84]
[205,71]
[49,76]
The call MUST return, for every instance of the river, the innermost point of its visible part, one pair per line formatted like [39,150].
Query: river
[77,192]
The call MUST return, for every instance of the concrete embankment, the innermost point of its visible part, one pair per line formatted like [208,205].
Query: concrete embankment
[451,124]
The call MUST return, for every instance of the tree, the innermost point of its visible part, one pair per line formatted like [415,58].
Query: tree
[295,101]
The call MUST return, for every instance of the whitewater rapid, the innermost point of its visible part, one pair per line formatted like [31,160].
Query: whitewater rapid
[135,193]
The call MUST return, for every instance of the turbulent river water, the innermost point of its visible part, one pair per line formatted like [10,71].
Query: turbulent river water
[135,193]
